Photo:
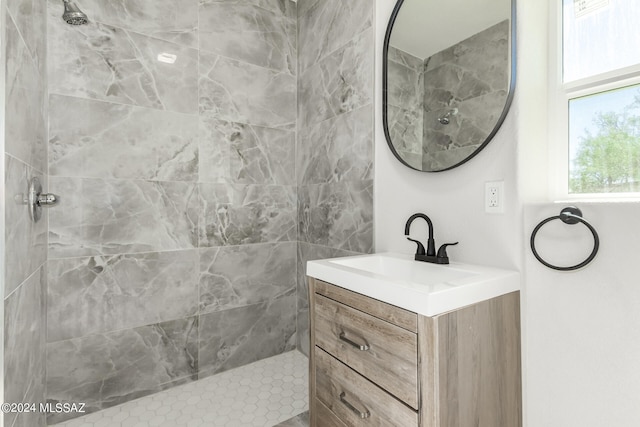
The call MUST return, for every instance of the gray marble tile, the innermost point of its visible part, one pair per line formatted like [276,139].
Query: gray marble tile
[249,32]
[438,138]
[481,112]
[339,83]
[30,419]
[337,149]
[439,88]
[445,158]
[405,87]
[309,252]
[30,19]
[328,25]
[25,132]
[103,370]
[240,92]
[288,8]
[242,214]
[301,420]
[404,58]
[95,139]
[245,154]
[405,105]
[413,159]
[27,240]
[236,276]
[302,330]
[450,84]
[171,20]
[103,217]
[238,336]
[484,56]
[24,348]
[214,148]
[102,62]
[459,132]
[305,5]
[107,293]
[406,128]
[468,129]
[338,215]
[474,67]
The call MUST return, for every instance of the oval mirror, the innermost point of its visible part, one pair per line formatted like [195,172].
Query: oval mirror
[448,79]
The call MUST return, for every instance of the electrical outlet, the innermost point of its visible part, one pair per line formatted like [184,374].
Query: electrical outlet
[494,197]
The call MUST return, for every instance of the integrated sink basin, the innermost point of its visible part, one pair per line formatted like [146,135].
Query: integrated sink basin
[421,287]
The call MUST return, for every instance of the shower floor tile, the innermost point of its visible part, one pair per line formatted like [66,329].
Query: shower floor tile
[261,394]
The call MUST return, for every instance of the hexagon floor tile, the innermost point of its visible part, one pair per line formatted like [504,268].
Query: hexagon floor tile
[261,394]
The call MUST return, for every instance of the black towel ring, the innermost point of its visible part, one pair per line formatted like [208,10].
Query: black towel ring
[570,215]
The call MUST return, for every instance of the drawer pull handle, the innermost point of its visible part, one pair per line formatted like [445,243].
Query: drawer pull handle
[361,347]
[352,408]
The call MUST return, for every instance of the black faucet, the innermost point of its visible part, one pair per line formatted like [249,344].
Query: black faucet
[428,255]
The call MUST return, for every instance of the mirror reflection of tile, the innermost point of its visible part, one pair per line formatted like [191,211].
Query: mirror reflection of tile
[442,108]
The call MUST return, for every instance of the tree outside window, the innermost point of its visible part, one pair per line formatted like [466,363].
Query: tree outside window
[605,155]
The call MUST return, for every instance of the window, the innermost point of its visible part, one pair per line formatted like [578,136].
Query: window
[597,101]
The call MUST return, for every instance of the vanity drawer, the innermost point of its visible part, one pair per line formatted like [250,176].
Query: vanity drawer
[387,312]
[384,353]
[355,400]
[324,417]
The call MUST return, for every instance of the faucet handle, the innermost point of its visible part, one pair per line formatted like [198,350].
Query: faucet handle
[442,251]
[420,250]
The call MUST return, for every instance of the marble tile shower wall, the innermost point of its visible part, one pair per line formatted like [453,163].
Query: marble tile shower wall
[334,158]
[173,254]
[476,70]
[25,156]
[405,104]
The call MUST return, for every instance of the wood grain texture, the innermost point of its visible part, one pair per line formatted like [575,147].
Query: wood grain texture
[334,378]
[468,362]
[313,411]
[390,313]
[428,372]
[391,360]
[325,417]
[479,365]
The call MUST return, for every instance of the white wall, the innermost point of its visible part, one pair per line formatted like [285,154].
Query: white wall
[454,200]
[581,339]
[583,336]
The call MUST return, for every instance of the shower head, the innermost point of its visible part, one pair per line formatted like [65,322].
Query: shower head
[446,119]
[73,15]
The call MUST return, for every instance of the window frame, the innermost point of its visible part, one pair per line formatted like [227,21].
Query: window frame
[560,94]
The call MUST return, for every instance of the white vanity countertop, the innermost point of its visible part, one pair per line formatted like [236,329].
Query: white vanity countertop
[421,287]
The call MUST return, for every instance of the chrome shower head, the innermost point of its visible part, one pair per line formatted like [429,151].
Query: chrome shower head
[446,119]
[73,15]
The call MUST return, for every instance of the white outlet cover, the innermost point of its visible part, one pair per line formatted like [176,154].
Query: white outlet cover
[494,197]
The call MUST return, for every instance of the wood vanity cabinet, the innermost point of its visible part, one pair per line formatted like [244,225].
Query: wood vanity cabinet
[375,364]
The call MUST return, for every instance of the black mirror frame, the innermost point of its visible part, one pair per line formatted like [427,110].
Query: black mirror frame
[505,110]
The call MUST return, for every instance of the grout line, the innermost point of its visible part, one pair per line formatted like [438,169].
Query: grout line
[113,331]
[108,101]
[274,70]
[197,314]
[155,181]
[310,127]
[268,367]
[199,249]
[6,297]
[198,32]
[32,54]
[322,58]
[31,168]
